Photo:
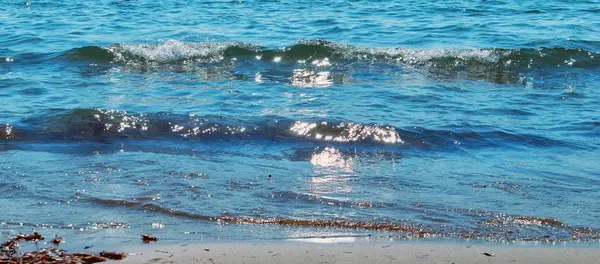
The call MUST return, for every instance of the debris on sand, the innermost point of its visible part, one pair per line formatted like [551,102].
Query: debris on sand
[9,254]
[51,256]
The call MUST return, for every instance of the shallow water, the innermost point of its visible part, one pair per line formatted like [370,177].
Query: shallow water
[283,119]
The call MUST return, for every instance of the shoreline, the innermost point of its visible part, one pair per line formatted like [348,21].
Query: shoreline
[346,251]
[340,249]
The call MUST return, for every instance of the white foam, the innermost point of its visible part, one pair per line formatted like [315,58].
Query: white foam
[410,56]
[171,51]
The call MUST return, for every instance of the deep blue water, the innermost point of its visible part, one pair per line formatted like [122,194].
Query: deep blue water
[282,119]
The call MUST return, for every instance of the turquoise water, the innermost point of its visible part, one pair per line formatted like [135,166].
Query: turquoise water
[285,119]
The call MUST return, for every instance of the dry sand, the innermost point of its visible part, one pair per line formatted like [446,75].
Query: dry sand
[360,252]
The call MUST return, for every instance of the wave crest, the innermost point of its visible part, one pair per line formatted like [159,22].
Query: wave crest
[177,51]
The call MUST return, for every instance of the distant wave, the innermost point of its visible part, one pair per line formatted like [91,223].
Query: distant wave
[318,63]
[314,51]
[107,125]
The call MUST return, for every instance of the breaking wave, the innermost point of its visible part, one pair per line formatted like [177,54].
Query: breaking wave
[314,52]
[112,125]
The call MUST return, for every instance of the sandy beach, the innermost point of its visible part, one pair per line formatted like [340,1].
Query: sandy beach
[359,252]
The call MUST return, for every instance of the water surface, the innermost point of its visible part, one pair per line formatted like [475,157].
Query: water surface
[285,119]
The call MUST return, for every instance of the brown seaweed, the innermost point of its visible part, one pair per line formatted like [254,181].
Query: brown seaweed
[148,238]
[113,255]
[9,254]
[58,241]
[31,237]
[11,244]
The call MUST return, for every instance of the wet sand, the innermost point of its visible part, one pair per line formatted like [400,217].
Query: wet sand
[359,252]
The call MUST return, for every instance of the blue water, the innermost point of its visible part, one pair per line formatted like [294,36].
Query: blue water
[282,119]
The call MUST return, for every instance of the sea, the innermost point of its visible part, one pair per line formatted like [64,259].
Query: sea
[286,119]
